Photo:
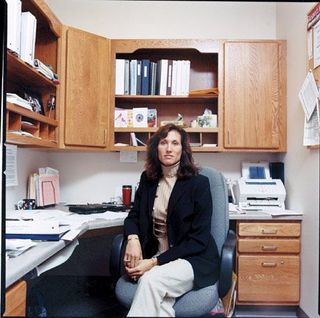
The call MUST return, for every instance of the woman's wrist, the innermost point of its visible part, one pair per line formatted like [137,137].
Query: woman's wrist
[132,237]
[154,261]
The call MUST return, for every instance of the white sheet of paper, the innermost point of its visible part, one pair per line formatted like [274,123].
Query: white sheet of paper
[308,95]
[311,135]
[11,166]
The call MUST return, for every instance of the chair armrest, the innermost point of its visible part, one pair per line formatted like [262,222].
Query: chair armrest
[227,263]
[116,263]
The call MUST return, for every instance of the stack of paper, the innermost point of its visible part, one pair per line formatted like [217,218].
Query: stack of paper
[15,247]
[17,100]
[35,230]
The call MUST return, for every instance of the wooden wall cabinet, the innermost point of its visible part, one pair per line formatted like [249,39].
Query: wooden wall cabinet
[205,73]
[255,95]
[85,90]
[39,129]
[268,262]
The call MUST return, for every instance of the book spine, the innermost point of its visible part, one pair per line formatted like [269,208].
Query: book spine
[169,78]
[28,36]
[153,78]
[138,77]
[163,77]
[133,77]
[145,77]
[120,76]
[14,25]
[126,77]
[174,78]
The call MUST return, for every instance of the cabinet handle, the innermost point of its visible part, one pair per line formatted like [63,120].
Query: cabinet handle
[271,231]
[268,264]
[269,247]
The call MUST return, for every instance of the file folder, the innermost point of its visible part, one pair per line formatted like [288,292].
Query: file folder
[49,190]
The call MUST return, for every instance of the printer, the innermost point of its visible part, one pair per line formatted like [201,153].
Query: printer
[257,191]
[260,194]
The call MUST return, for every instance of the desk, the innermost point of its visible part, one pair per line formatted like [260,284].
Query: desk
[267,258]
[18,267]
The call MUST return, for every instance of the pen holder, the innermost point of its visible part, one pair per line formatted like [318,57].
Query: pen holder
[26,204]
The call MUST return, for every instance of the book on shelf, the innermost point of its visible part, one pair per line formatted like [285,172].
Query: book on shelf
[140,117]
[120,76]
[120,118]
[14,25]
[152,118]
[153,78]
[133,77]
[126,77]
[169,78]
[145,77]
[136,141]
[179,79]
[162,73]
[138,77]
[28,37]
[174,78]
[186,77]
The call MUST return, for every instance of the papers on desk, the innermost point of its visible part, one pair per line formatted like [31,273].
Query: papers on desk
[235,209]
[15,247]
[35,230]
[63,220]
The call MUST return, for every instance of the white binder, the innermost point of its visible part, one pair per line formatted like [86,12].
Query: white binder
[28,36]
[14,25]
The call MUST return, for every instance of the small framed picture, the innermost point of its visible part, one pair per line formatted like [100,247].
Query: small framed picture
[35,102]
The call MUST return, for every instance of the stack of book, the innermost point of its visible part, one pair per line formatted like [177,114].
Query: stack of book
[138,117]
[145,77]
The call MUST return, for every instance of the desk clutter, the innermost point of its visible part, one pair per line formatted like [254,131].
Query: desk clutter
[25,228]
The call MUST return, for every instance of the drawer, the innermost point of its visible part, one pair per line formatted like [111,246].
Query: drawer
[16,300]
[269,229]
[258,245]
[269,278]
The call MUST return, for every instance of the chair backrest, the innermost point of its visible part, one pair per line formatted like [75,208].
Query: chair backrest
[220,206]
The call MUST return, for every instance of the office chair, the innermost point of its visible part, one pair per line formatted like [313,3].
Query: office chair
[194,303]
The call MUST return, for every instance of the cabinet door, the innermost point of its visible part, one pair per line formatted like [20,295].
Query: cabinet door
[254,95]
[87,87]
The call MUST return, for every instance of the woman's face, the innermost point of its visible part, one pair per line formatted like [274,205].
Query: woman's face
[170,148]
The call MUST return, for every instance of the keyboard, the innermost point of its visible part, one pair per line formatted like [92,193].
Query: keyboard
[97,208]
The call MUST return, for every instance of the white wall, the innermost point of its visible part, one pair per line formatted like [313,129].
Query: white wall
[94,177]
[302,164]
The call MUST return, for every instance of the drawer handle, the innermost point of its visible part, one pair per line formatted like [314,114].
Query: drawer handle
[269,247]
[268,264]
[264,231]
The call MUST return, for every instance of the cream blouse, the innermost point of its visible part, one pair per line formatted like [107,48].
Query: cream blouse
[160,207]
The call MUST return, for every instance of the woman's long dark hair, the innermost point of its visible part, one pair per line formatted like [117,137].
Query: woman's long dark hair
[187,167]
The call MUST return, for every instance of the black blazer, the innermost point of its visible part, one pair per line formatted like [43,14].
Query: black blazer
[188,226]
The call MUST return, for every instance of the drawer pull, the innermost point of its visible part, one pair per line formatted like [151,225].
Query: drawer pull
[268,264]
[270,231]
[269,247]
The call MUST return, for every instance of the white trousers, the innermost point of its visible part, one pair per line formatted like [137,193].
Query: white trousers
[159,287]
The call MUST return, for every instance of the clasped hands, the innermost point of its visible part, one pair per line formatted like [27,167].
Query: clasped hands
[134,263]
